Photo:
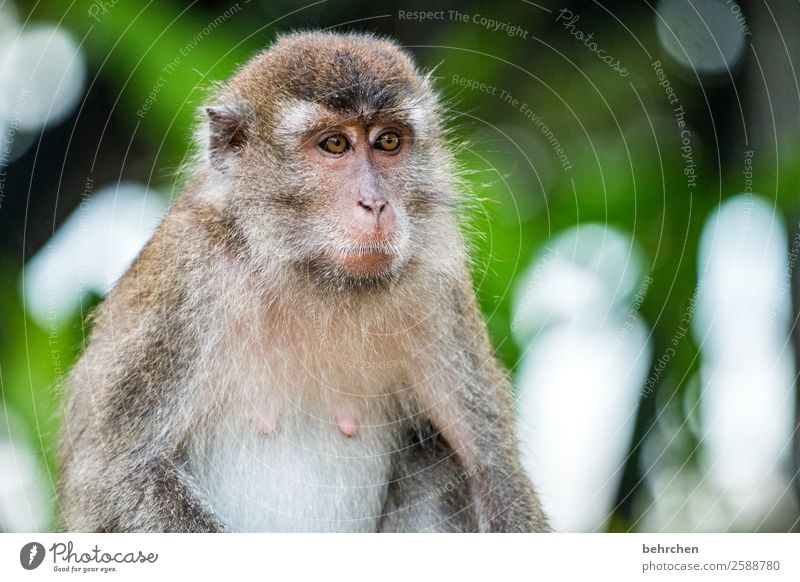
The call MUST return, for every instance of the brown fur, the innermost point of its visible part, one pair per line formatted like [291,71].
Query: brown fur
[229,309]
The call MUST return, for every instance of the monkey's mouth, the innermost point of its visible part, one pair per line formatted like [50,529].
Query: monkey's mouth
[367,261]
[357,267]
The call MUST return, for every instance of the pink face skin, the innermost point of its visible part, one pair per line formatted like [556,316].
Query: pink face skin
[354,163]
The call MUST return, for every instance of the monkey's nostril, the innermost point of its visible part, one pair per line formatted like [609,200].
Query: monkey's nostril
[376,207]
[371,215]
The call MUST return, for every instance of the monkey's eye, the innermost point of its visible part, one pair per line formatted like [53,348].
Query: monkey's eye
[335,144]
[388,141]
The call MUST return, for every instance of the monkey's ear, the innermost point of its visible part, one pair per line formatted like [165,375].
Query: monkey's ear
[228,134]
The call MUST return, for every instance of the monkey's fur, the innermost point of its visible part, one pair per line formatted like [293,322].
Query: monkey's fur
[208,396]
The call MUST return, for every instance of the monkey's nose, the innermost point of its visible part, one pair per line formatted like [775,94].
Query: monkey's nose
[375,207]
[374,214]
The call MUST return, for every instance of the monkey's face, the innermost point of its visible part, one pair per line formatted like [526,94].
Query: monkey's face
[352,205]
[340,168]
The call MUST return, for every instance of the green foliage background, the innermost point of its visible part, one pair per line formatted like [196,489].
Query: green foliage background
[621,174]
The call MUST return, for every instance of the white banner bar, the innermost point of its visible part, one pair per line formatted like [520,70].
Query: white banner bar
[386,557]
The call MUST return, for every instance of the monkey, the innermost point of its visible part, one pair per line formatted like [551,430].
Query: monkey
[299,346]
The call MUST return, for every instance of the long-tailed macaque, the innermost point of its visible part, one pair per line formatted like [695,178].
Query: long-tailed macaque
[298,347]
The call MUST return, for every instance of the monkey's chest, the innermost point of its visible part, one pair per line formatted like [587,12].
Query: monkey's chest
[300,470]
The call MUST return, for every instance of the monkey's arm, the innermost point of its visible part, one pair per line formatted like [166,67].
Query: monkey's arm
[158,495]
[123,462]
[428,490]
[155,496]
[468,400]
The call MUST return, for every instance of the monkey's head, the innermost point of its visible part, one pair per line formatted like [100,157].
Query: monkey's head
[327,154]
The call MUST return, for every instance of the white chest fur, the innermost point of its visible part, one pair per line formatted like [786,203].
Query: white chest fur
[302,432]
[305,474]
